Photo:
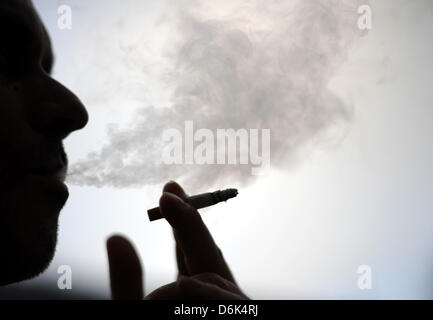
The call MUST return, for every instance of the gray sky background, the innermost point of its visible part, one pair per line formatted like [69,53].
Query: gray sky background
[360,192]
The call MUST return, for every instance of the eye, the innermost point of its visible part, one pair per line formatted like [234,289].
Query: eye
[47,57]
[47,64]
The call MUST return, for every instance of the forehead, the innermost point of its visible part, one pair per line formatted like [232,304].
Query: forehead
[21,12]
[19,19]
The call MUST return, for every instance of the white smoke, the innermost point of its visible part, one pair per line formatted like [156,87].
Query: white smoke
[235,64]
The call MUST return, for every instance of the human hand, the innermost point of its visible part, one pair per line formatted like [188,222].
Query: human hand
[203,272]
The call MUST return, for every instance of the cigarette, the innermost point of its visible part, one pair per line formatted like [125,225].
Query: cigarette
[199,201]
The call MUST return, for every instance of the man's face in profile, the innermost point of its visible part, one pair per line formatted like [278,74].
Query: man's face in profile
[36,114]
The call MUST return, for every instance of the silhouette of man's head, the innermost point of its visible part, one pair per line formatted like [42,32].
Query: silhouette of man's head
[36,114]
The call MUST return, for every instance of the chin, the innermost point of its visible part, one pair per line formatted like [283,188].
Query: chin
[28,257]
[29,249]
[28,243]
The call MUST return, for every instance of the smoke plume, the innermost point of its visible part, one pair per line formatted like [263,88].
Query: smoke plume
[234,64]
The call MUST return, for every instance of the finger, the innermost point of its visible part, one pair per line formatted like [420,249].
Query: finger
[199,249]
[170,291]
[181,264]
[175,188]
[192,288]
[219,281]
[126,276]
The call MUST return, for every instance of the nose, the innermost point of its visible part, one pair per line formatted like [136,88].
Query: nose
[57,112]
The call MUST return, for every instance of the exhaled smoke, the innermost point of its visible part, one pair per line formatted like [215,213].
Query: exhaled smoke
[235,64]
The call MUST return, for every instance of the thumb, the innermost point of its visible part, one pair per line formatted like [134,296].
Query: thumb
[126,276]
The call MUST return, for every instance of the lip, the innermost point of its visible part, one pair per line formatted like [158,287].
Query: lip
[52,176]
[56,172]
[48,168]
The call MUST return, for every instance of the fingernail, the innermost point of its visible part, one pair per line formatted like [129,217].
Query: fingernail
[173,197]
[170,201]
